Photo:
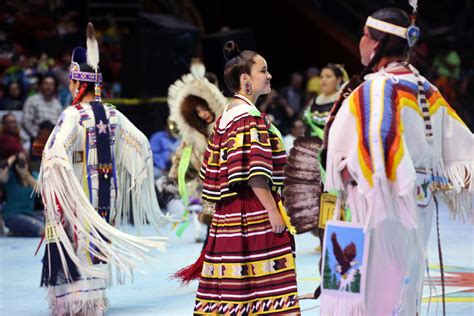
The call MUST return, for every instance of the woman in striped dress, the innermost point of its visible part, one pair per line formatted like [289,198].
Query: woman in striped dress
[248,262]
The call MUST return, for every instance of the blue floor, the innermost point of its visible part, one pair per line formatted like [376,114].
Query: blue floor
[152,293]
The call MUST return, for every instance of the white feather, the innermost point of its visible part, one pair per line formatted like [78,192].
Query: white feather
[414,5]
[198,69]
[92,53]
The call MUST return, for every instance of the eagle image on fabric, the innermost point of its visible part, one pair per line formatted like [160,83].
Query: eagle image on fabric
[345,262]
[344,256]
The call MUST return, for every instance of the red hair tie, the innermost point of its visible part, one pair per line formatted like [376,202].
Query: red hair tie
[80,94]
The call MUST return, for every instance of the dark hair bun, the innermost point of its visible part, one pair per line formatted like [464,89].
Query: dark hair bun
[231,50]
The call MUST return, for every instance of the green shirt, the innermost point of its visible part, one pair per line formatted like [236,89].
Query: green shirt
[20,199]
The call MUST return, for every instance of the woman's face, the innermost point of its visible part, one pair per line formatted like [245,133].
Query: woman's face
[329,82]
[260,77]
[14,90]
[73,86]
[204,114]
[367,47]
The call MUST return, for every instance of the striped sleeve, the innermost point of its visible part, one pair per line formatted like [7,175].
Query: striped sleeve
[379,129]
[245,148]
[249,152]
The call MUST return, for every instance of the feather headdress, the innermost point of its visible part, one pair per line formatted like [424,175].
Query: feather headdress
[80,56]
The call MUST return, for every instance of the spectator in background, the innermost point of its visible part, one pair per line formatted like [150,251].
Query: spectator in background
[32,75]
[16,72]
[447,67]
[293,93]
[163,145]
[10,143]
[43,106]
[44,64]
[279,111]
[313,83]
[333,76]
[61,72]
[14,97]
[18,212]
[45,129]
[297,130]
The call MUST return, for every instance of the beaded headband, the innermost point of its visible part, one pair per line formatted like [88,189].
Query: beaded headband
[411,34]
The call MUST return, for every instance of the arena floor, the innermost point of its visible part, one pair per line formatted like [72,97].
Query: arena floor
[152,293]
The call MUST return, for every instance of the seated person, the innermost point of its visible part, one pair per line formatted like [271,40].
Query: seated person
[163,145]
[18,183]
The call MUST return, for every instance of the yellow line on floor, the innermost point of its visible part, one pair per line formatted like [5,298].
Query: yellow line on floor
[309,279]
[450,300]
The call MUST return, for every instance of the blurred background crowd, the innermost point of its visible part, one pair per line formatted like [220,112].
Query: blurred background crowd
[146,45]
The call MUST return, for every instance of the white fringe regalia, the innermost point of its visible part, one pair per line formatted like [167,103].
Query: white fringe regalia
[75,232]
[379,136]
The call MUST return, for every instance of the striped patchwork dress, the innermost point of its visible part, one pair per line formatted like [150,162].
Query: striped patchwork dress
[247,268]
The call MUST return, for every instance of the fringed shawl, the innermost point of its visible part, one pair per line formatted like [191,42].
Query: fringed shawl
[66,183]
[379,136]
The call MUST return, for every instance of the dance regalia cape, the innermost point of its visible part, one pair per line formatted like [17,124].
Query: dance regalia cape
[247,269]
[379,136]
[86,195]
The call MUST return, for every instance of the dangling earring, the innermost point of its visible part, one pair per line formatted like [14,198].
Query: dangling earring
[247,88]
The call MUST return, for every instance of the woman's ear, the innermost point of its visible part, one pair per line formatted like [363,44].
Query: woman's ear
[243,78]
[377,45]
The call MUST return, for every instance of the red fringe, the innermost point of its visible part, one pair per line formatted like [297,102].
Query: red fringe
[191,272]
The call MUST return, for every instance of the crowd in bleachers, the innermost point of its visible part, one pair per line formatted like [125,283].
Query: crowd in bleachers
[34,85]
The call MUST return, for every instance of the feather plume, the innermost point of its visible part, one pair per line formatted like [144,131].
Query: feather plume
[414,5]
[197,68]
[92,48]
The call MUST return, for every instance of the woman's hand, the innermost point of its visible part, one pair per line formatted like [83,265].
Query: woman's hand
[11,160]
[346,177]
[260,187]
[278,225]
[25,175]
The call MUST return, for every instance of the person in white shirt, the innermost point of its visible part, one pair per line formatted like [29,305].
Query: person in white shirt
[40,107]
